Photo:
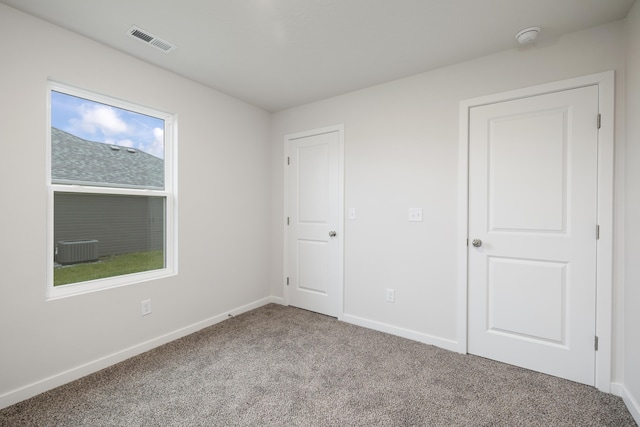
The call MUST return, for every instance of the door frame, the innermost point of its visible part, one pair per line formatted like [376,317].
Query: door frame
[604,245]
[340,226]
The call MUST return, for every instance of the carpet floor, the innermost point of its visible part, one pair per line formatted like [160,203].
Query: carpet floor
[284,366]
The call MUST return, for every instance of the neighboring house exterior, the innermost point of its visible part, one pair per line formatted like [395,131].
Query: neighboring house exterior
[120,224]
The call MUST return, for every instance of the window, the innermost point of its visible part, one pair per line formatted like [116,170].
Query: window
[111,193]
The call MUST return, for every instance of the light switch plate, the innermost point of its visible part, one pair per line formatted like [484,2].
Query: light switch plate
[415,214]
[352,213]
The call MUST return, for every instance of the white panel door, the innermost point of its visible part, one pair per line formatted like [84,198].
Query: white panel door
[314,228]
[532,214]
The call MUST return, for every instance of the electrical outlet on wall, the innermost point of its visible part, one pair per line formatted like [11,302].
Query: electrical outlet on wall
[390,295]
[145,307]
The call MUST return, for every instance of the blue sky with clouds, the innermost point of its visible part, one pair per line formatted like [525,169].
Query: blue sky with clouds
[98,122]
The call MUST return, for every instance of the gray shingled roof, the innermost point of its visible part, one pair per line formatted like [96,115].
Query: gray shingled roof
[77,160]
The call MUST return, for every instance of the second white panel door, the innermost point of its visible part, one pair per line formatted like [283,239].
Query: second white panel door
[314,221]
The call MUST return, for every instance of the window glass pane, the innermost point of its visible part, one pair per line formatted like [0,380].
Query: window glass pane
[103,235]
[102,145]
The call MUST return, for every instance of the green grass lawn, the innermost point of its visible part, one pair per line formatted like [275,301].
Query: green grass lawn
[114,265]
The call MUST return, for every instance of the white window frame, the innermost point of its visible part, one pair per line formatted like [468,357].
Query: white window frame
[169,194]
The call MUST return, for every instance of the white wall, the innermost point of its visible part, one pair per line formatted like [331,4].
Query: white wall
[632,223]
[401,151]
[223,230]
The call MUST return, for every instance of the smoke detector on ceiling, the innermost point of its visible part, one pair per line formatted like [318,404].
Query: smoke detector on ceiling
[527,35]
[150,39]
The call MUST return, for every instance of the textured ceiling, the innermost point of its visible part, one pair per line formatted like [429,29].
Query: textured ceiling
[277,54]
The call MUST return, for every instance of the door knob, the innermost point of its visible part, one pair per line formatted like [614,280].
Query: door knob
[332,234]
[476,243]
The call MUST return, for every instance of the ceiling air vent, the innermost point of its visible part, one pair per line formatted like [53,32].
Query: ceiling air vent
[149,38]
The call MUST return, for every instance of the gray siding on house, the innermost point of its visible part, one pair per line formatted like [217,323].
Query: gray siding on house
[121,224]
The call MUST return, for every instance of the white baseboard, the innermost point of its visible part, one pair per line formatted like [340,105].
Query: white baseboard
[33,389]
[401,332]
[632,403]
[277,300]
[617,389]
